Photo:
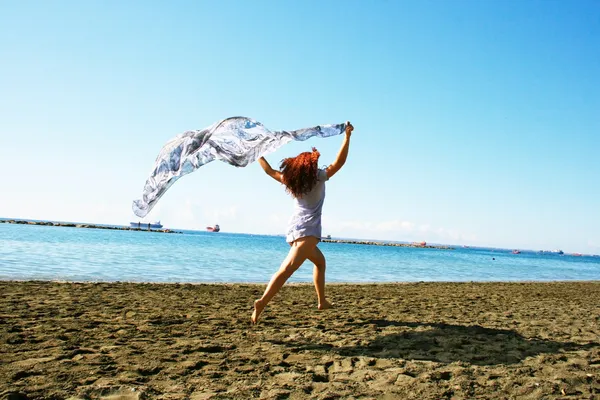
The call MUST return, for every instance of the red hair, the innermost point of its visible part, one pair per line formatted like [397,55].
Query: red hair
[300,172]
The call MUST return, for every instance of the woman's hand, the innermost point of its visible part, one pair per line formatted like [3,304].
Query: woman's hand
[349,128]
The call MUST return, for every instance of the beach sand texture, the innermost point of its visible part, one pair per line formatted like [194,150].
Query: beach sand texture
[382,341]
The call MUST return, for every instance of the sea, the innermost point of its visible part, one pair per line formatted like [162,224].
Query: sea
[48,253]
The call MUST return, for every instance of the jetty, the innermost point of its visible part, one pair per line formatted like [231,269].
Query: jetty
[391,244]
[88,226]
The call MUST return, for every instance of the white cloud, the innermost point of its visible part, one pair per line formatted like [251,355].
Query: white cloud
[227,213]
[277,219]
[395,230]
[395,225]
[195,215]
[594,243]
[424,228]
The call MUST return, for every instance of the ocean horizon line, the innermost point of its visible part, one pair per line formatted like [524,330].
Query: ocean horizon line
[186,230]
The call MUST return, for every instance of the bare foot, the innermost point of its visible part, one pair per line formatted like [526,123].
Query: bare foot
[325,305]
[258,309]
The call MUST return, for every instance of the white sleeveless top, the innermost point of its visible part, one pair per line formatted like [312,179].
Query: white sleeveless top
[306,219]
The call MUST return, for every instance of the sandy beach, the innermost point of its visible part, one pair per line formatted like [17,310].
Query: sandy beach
[382,341]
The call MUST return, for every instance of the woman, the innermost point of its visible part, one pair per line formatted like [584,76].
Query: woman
[306,183]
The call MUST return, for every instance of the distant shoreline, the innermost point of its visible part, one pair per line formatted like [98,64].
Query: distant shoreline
[88,226]
[126,228]
[389,244]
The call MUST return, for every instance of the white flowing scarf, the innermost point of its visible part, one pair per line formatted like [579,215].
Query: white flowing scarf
[237,141]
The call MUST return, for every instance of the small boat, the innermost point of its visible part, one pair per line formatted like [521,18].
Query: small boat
[516,252]
[215,228]
[146,225]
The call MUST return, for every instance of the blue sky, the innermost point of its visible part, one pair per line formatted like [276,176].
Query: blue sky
[476,122]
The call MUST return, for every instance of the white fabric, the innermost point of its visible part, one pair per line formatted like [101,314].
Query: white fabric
[237,141]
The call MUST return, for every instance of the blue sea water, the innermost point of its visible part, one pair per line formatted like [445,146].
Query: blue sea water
[75,254]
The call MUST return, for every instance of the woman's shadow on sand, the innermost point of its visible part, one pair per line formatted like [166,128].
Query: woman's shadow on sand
[444,343]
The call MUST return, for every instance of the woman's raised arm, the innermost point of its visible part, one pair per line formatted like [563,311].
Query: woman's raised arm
[342,154]
[268,170]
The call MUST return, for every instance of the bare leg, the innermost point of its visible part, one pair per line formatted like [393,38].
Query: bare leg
[299,252]
[317,258]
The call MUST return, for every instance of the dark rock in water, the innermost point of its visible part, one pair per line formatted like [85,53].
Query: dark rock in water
[372,243]
[16,396]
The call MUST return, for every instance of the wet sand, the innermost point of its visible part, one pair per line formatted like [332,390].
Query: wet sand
[385,341]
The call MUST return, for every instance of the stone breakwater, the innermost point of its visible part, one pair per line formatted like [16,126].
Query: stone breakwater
[376,243]
[89,226]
